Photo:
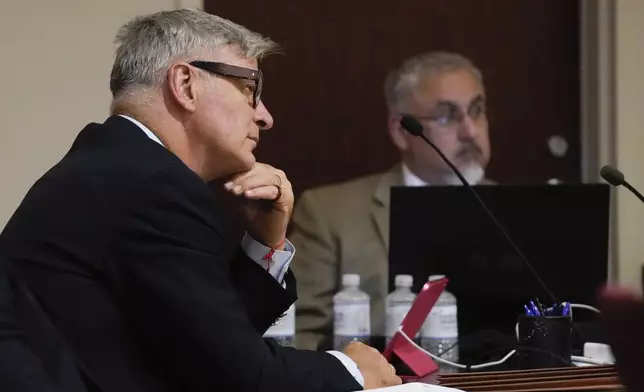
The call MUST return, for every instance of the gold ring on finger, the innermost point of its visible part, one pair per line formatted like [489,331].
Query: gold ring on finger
[279,192]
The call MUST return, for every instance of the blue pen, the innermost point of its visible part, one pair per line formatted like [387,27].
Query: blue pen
[566,310]
[527,311]
[535,310]
[542,311]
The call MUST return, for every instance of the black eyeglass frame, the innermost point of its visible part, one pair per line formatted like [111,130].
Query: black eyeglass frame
[236,72]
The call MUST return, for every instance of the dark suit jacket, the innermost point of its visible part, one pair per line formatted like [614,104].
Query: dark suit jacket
[123,244]
[33,356]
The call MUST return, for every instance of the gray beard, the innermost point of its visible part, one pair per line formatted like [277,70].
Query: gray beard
[472,173]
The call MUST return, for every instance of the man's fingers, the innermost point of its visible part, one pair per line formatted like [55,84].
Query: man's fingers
[240,176]
[395,380]
[257,181]
[390,382]
[258,169]
[270,192]
[243,183]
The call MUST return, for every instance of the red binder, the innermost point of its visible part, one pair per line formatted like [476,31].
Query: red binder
[419,362]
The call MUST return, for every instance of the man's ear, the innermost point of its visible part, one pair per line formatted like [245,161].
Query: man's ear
[397,134]
[181,85]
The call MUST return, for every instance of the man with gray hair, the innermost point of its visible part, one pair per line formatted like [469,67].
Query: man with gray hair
[122,241]
[445,92]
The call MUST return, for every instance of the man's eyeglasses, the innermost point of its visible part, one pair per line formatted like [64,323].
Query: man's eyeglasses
[447,115]
[237,72]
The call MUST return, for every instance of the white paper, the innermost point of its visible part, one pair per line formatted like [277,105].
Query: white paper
[417,387]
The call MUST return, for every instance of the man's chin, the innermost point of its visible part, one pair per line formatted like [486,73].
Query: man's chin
[248,162]
[241,164]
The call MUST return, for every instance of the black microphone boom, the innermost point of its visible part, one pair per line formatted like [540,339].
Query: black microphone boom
[411,125]
[616,178]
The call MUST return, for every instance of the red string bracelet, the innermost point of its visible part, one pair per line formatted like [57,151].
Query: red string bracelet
[269,256]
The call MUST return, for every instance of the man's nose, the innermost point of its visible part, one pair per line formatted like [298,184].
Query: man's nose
[263,117]
[468,128]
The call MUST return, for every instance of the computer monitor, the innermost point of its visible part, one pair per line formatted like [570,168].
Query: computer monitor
[563,231]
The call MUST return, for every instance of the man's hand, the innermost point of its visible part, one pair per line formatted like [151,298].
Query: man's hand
[375,369]
[266,199]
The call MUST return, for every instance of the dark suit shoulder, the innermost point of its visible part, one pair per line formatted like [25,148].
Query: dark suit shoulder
[120,150]
[116,161]
[109,167]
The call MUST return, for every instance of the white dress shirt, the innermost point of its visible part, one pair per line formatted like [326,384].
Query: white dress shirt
[278,264]
[473,174]
[410,179]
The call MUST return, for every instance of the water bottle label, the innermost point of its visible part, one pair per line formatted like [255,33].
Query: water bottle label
[442,323]
[352,319]
[395,315]
[285,326]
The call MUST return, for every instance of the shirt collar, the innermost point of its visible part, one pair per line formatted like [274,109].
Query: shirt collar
[472,174]
[144,128]
[410,179]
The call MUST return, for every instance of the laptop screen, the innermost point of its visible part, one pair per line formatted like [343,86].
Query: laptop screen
[563,231]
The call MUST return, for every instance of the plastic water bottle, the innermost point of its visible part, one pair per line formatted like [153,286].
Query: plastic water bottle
[284,329]
[351,313]
[440,330]
[398,303]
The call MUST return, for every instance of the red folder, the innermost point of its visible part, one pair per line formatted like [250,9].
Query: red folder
[419,362]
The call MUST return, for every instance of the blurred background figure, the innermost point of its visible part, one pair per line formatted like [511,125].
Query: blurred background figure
[344,228]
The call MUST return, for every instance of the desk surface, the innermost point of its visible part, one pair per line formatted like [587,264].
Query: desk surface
[592,378]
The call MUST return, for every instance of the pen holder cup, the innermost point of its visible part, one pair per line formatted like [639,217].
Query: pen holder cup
[545,341]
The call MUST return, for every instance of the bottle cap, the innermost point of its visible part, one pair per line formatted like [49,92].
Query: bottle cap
[404,280]
[433,278]
[351,280]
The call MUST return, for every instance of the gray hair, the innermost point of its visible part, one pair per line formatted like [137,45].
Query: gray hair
[147,45]
[402,81]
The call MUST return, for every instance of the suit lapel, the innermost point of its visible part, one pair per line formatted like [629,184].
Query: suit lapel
[380,203]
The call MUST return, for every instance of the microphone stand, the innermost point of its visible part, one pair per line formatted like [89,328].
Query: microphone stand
[634,191]
[413,123]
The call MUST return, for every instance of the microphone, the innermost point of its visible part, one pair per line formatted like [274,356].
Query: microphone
[616,178]
[411,125]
